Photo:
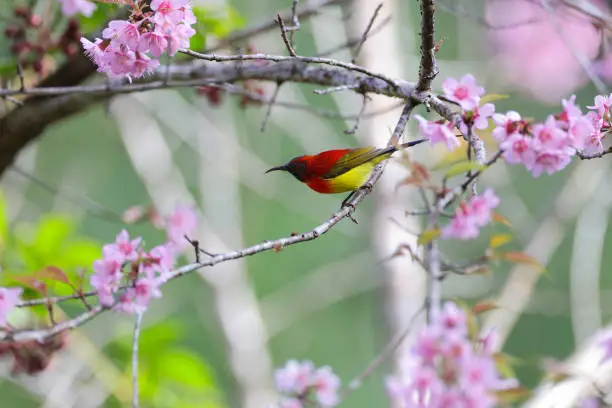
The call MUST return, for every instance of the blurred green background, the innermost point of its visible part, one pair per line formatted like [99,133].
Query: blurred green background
[215,337]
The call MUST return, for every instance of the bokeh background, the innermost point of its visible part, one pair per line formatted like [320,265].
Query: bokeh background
[215,337]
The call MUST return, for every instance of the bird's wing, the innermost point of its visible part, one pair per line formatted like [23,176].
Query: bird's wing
[354,158]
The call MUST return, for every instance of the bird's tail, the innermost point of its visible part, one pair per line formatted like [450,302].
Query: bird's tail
[402,146]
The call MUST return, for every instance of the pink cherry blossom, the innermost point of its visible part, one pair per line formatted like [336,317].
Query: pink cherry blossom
[465,91]
[550,162]
[519,149]
[169,12]
[438,132]
[426,346]
[160,259]
[478,118]
[153,42]
[460,227]
[451,372]
[295,377]
[121,32]
[9,299]
[145,289]
[126,247]
[290,403]
[549,135]
[182,222]
[179,38]
[602,104]
[506,125]
[325,386]
[453,319]
[73,7]
[480,211]
[570,109]
[470,216]
[93,50]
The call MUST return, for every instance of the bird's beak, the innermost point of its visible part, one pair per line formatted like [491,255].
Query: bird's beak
[283,167]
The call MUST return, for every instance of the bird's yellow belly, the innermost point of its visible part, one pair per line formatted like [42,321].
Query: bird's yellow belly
[352,179]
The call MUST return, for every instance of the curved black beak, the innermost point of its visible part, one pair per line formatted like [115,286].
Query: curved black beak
[283,167]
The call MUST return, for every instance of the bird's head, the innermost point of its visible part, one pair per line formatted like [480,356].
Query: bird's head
[297,167]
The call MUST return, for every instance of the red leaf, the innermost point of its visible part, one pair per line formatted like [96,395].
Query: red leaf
[53,273]
[483,307]
[32,283]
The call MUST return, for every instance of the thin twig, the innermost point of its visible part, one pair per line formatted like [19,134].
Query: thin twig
[135,393]
[295,21]
[385,354]
[338,88]
[352,130]
[364,36]
[310,9]
[279,20]
[270,104]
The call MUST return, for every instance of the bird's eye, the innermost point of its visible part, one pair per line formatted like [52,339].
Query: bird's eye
[298,169]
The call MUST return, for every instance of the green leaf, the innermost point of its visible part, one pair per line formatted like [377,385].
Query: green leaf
[98,18]
[463,167]
[186,368]
[427,236]
[3,222]
[52,232]
[492,98]
[498,240]
[218,21]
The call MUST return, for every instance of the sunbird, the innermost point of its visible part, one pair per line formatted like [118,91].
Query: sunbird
[340,170]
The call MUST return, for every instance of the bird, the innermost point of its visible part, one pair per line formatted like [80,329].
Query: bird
[339,170]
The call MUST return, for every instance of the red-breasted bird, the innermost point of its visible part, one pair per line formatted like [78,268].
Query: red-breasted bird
[339,171]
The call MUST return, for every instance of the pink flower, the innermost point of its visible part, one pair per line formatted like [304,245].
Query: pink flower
[480,211]
[122,32]
[160,259]
[119,60]
[426,347]
[424,390]
[570,109]
[9,299]
[295,377]
[179,38]
[549,135]
[93,50]
[470,216]
[465,91]
[506,125]
[143,65]
[153,42]
[290,403]
[460,227]
[169,12]
[145,289]
[128,249]
[478,118]
[453,319]
[325,384]
[519,149]
[105,286]
[438,132]
[182,222]
[550,161]
[111,263]
[478,372]
[72,7]
[602,104]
